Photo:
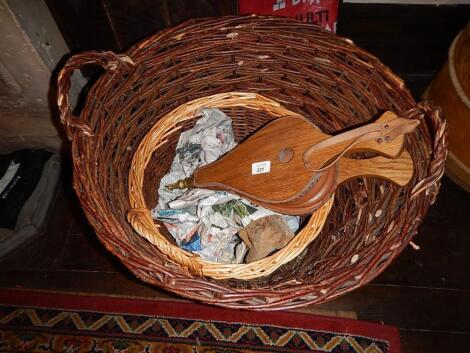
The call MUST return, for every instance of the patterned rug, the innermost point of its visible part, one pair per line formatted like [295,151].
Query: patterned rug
[52,322]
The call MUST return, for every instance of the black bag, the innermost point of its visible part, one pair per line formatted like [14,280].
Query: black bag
[20,172]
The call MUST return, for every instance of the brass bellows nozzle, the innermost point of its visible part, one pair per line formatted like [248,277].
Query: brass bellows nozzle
[181,184]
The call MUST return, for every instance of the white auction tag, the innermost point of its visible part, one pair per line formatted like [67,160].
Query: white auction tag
[260,167]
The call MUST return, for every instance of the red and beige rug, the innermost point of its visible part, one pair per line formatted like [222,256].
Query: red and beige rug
[52,322]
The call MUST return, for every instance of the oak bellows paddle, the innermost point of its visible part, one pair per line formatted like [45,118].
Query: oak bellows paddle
[290,166]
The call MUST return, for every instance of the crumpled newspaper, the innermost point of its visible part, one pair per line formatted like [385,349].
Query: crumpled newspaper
[206,222]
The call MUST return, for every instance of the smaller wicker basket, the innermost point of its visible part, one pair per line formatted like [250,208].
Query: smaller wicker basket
[140,217]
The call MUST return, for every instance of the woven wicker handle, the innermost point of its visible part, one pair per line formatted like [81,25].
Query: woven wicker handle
[107,60]
[437,126]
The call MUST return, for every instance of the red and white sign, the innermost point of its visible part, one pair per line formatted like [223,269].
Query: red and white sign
[322,12]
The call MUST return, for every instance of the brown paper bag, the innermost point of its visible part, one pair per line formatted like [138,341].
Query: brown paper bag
[264,236]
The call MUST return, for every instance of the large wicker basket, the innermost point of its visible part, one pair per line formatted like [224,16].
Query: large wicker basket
[311,72]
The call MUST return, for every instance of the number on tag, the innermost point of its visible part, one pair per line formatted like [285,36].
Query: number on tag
[260,167]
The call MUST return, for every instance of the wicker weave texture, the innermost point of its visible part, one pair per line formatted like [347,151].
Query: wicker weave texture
[321,76]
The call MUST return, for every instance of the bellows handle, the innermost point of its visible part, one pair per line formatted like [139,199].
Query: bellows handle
[370,137]
[396,170]
[107,60]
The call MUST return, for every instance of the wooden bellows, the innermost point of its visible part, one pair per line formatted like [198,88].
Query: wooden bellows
[291,167]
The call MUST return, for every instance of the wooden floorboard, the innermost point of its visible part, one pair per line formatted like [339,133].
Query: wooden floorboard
[84,252]
[444,241]
[408,307]
[413,341]
[429,268]
[45,250]
[90,282]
